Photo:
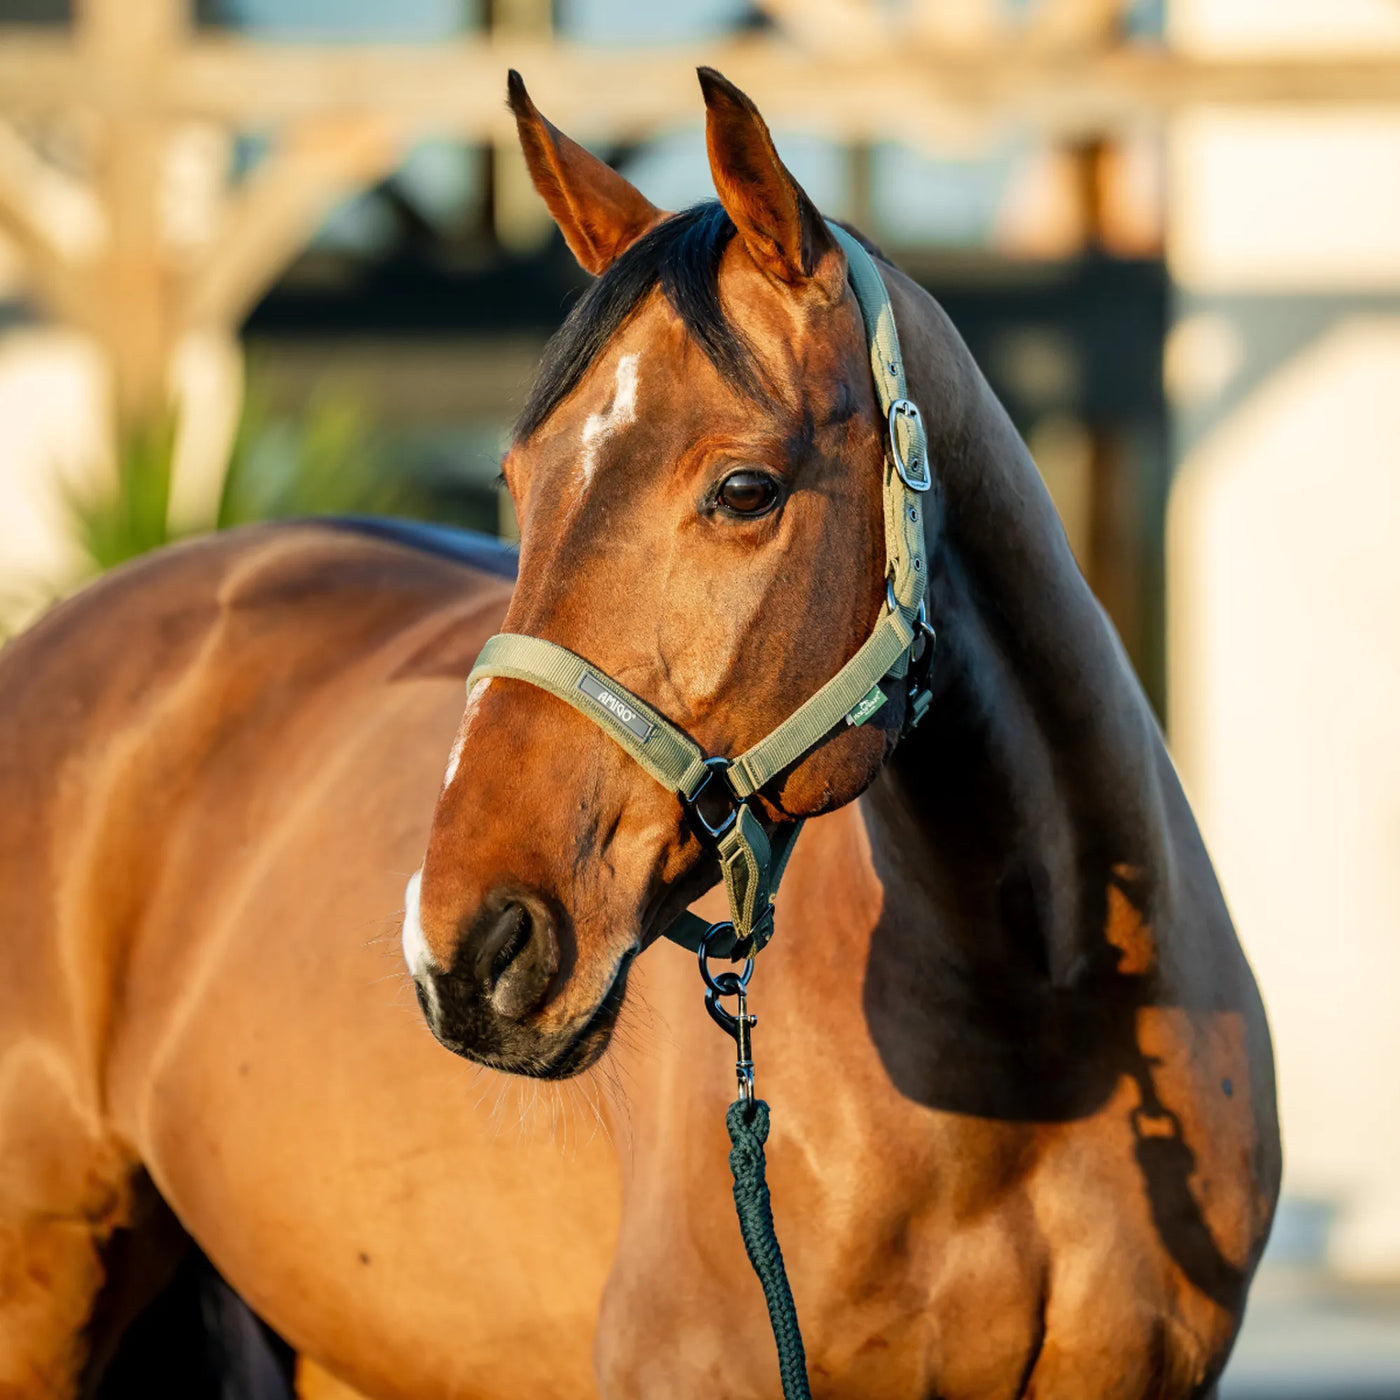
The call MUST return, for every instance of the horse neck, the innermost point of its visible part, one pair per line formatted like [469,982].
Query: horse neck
[1034,783]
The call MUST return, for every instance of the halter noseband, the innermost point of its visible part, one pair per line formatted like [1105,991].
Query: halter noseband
[715,792]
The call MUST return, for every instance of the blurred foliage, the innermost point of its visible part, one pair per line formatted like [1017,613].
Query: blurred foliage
[328,459]
[331,459]
[132,516]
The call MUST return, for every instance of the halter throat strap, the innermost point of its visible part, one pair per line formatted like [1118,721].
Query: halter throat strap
[716,793]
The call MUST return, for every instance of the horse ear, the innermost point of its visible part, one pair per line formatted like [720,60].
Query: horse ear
[780,226]
[599,213]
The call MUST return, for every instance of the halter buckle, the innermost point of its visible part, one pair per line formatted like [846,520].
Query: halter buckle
[702,806]
[913,473]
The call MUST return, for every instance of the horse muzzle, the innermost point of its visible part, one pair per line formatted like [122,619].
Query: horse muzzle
[499,1003]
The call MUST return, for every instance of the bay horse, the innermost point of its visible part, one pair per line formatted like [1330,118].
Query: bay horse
[1024,1137]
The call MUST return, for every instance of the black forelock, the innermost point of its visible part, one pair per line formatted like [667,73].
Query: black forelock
[681,255]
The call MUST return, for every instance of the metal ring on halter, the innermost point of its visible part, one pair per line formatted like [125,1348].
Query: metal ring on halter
[892,603]
[727,984]
[714,782]
[903,408]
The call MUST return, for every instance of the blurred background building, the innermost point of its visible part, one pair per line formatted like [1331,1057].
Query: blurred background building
[265,257]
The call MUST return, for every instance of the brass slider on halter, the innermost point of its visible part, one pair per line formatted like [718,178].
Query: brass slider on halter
[715,792]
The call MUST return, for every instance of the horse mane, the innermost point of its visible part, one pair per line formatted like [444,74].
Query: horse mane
[682,255]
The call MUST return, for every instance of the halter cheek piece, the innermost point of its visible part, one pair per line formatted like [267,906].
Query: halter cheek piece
[715,792]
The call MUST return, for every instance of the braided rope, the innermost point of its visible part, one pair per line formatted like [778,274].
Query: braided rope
[748,1131]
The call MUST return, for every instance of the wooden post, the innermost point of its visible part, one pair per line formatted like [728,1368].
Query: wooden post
[128,47]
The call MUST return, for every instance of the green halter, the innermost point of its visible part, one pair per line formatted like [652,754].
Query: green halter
[714,792]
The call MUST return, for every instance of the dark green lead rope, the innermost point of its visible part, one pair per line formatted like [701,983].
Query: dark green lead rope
[747,1121]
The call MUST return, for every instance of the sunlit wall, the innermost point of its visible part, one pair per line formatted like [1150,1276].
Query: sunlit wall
[1284,583]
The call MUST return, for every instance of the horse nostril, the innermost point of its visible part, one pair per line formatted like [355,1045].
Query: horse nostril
[516,957]
[501,939]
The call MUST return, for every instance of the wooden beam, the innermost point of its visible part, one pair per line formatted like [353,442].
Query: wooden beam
[58,211]
[128,49]
[39,71]
[1073,24]
[278,208]
[839,26]
[958,26]
[56,223]
[456,88]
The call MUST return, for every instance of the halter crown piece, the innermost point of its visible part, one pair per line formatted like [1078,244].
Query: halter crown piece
[715,792]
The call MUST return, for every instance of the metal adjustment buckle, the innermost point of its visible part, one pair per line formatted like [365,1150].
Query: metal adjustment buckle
[701,806]
[913,473]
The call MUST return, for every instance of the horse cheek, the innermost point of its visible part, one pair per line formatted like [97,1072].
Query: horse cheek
[836,773]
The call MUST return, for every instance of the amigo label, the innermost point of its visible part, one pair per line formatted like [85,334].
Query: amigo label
[615,705]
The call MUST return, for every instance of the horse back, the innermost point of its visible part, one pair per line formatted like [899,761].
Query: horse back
[119,708]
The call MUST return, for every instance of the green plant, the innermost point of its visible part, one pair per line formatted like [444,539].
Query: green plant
[130,516]
[329,459]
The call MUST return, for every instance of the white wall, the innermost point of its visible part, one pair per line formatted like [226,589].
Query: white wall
[54,443]
[51,407]
[1284,585]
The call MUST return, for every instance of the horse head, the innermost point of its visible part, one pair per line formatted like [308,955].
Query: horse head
[698,480]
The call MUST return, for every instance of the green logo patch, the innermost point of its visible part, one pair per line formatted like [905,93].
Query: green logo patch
[866,706]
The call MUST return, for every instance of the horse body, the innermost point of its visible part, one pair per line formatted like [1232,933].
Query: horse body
[1024,1138]
[957,1221]
[238,1027]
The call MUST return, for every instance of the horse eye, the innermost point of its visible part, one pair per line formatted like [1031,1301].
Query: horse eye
[748,493]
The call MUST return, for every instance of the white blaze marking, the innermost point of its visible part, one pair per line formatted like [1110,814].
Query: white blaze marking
[599,427]
[415,946]
[455,756]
